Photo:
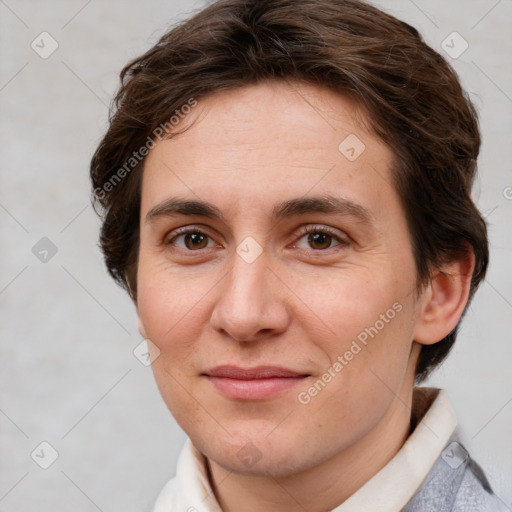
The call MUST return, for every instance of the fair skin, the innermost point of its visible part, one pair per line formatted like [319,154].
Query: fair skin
[299,305]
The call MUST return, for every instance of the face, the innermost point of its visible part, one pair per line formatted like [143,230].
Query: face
[294,263]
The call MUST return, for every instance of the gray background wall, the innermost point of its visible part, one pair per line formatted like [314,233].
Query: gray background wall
[69,376]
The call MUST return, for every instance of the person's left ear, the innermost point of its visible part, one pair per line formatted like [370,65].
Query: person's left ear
[444,300]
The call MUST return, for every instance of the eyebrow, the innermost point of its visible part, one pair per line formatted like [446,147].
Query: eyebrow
[289,208]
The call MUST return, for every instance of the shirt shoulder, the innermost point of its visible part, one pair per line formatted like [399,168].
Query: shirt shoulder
[456,483]
[475,492]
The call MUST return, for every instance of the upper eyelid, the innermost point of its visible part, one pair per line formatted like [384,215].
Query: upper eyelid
[308,228]
[175,233]
[183,230]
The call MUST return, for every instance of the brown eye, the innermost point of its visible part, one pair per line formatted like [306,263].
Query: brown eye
[195,240]
[319,240]
[190,240]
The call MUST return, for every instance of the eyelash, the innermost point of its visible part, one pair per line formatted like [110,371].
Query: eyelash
[343,241]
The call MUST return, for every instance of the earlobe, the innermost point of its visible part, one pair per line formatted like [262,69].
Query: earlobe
[444,300]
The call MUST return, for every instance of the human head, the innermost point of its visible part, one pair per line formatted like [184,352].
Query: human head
[414,100]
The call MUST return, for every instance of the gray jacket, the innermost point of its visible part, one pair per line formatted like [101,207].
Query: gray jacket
[456,483]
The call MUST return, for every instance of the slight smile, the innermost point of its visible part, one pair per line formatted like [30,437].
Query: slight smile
[258,383]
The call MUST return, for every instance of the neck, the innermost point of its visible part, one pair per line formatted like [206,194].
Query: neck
[321,487]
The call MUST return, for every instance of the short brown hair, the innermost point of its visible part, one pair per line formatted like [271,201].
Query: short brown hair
[413,96]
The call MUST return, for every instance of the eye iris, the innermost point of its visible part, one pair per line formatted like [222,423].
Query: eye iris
[195,239]
[320,238]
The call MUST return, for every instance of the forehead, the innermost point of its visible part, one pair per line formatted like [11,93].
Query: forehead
[266,141]
[274,113]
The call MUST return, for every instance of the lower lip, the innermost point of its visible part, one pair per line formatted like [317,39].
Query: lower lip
[254,389]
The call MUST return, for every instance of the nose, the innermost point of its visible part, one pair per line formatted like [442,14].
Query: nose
[252,301]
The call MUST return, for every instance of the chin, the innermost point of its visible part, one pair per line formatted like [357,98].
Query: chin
[278,457]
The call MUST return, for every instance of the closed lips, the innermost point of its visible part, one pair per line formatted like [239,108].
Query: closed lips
[260,372]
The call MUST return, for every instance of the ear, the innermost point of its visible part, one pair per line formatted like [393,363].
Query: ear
[142,329]
[444,299]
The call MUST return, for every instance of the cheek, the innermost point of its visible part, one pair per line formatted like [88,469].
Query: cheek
[368,360]
[350,302]
[170,308]
[370,324]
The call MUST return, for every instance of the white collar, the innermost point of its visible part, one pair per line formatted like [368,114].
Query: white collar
[395,484]
[387,491]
